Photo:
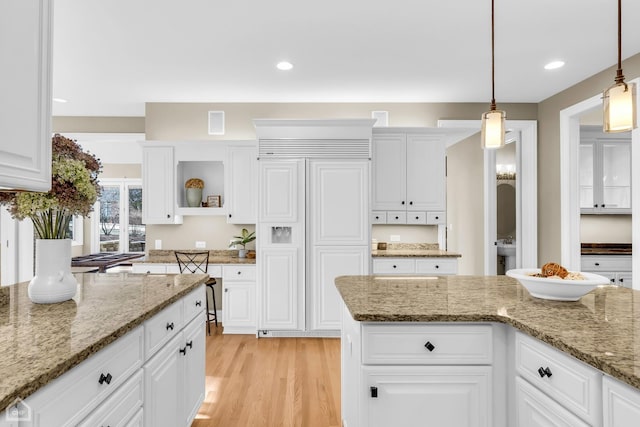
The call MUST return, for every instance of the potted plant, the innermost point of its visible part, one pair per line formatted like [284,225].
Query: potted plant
[74,190]
[244,238]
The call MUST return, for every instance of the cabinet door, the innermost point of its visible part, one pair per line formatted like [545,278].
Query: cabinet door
[239,305]
[586,158]
[193,360]
[162,387]
[621,404]
[242,179]
[279,292]
[328,263]
[279,186]
[158,185]
[25,104]
[426,188]
[616,175]
[535,409]
[389,172]
[427,396]
[339,202]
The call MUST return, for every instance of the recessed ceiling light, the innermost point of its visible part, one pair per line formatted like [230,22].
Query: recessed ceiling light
[60,100]
[284,65]
[553,65]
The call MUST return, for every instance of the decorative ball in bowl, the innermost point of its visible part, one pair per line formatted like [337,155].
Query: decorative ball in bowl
[555,288]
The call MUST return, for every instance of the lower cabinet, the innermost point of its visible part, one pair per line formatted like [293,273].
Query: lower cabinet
[422,265]
[536,409]
[132,383]
[615,267]
[410,396]
[239,299]
[174,378]
[621,403]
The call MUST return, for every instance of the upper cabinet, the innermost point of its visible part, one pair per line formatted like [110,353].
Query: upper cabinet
[242,184]
[158,183]
[408,177]
[25,104]
[605,172]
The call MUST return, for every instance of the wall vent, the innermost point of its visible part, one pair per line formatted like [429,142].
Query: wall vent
[315,148]
[382,118]
[216,122]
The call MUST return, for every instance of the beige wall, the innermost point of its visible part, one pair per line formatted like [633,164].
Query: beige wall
[98,124]
[465,204]
[213,230]
[549,153]
[605,228]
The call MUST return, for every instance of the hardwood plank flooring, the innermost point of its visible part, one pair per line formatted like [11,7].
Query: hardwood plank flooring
[270,382]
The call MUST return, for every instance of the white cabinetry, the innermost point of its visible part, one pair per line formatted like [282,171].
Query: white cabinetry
[279,190]
[158,185]
[616,267]
[408,178]
[279,293]
[605,172]
[621,403]
[239,299]
[25,104]
[242,184]
[423,265]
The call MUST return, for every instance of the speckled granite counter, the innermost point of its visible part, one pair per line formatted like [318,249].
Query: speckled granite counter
[407,253]
[601,329]
[40,342]
[162,256]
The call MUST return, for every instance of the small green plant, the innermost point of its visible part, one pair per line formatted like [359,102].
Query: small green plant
[244,238]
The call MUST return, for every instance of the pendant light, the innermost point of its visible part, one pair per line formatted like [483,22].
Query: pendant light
[619,101]
[492,135]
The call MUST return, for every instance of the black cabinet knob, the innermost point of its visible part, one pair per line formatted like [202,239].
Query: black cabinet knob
[226,289]
[395,266]
[613,280]
[544,372]
[411,203]
[437,217]
[548,372]
[239,273]
[229,215]
[183,351]
[595,206]
[437,266]
[105,378]
[417,217]
[170,326]
[374,392]
[397,218]
[602,205]
[168,216]
[377,217]
[190,344]
[597,264]
[429,346]
[198,303]
[621,280]
[403,202]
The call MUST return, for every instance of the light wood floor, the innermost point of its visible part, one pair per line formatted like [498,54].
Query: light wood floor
[271,382]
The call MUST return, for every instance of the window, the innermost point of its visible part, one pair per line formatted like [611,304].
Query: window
[117,218]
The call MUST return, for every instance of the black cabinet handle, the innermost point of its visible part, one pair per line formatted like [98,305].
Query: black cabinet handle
[395,266]
[597,264]
[613,280]
[168,216]
[429,346]
[229,215]
[374,392]
[411,203]
[377,217]
[417,217]
[595,206]
[198,303]
[403,202]
[190,344]
[544,372]
[226,289]
[437,217]
[183,351]
[397,218]
[239,273]
[437,266]
[621,280]
[170,326]
[602,205]
[105,378]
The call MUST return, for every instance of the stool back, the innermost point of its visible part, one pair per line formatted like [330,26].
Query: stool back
[193,262]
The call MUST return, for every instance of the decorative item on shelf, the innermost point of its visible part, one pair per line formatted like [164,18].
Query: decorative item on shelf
[492,134]
[194,188]
[205,204]
[382,246]
[244,238]
[251,254]
[74,190]
[214,201]
[619,101]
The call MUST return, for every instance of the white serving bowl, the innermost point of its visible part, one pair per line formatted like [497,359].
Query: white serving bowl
[556,289]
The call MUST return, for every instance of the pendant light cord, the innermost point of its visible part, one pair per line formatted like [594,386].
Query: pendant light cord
[493,67]
[619,76]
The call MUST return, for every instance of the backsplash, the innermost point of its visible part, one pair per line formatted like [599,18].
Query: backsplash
[411,246]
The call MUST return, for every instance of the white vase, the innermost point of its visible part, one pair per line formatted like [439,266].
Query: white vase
[53,281]
[194,197]
[242,253]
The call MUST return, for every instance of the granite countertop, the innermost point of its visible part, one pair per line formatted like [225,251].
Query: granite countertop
[606,249]
[167,256]
[40,342]
[410,250]
[601,329]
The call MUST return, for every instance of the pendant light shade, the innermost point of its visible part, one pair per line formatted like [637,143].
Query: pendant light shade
[619,101]
[492,135]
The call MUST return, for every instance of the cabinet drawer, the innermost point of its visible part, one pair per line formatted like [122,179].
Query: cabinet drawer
[427,344]
[378,217]
[572,383]
[194,303]
[161,328]
[416,218]
[72,396]
[172,269]
[239,273]
[120,407]
[605,263]
[437,266]
[436,218]
[393,266]
[534,408]
[396,217]
[137,420]
[149,268]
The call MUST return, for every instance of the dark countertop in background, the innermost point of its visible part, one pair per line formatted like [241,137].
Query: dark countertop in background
[605,249]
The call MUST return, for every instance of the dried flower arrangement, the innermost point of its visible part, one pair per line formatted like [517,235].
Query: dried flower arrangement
[74,190]
[194,183]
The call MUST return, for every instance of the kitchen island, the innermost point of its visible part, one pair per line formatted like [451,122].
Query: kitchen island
[42,343]
[506,329]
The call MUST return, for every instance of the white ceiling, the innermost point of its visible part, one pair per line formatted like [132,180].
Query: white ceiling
[110,57]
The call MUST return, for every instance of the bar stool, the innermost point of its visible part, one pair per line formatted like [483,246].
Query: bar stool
[198,262]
